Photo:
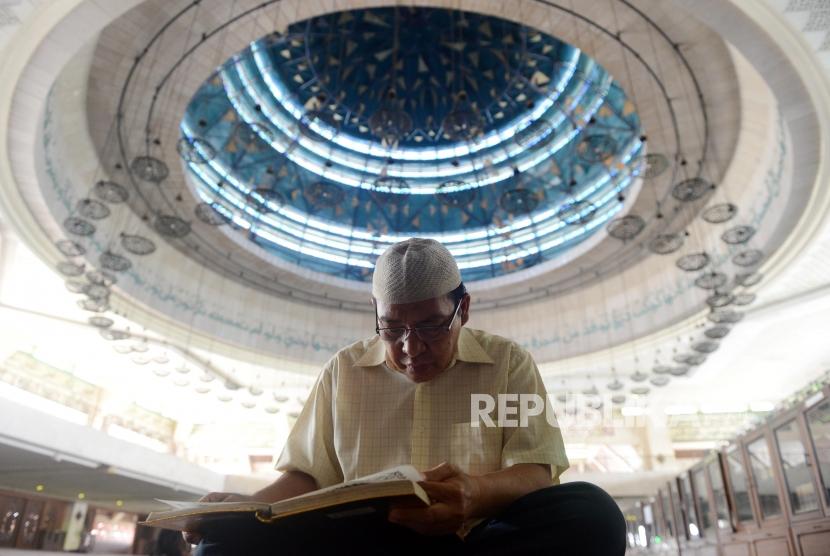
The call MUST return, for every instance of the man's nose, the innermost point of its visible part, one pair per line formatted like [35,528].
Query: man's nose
[412,344]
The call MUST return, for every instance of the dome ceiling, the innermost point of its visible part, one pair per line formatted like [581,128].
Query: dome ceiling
[247,202]
[352,130]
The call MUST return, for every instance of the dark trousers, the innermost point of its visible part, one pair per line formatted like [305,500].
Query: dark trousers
[577,519]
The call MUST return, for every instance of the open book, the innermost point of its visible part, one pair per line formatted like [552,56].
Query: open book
[360,497]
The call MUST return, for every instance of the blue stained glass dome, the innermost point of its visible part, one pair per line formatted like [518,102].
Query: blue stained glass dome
[356,129]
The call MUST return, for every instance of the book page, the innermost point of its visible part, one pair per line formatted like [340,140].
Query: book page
[181,504]
[400,473]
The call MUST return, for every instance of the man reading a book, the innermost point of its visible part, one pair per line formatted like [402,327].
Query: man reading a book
[403,396]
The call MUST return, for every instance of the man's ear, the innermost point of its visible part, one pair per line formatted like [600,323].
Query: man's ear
[465,309]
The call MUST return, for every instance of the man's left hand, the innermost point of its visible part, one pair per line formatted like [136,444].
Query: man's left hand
[454,495]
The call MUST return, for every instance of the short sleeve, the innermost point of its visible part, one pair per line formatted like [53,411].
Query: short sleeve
[541,440]
[310,445]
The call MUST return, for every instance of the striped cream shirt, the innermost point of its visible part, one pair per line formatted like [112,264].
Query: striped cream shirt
[363,417]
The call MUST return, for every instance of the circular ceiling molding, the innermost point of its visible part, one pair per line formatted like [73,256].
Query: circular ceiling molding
[211,245]
[261,69]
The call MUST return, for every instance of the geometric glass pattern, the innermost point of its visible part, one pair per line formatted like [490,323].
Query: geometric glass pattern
[477,138]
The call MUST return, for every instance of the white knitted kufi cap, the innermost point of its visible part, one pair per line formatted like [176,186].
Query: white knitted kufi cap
[414,270]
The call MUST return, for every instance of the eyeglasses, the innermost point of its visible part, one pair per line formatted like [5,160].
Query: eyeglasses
[424,333]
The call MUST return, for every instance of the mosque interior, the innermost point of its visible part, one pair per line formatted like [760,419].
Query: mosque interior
[193,195]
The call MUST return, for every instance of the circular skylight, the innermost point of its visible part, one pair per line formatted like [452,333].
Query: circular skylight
[357,129]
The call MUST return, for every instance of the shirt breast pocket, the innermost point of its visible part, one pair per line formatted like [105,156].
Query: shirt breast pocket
[475,450]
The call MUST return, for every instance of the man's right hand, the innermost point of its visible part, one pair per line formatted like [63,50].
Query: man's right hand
[193,537]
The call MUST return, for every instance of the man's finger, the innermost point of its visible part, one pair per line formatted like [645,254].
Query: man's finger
[214,497]
[441,472]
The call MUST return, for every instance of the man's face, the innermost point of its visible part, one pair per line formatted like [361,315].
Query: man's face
[421,361]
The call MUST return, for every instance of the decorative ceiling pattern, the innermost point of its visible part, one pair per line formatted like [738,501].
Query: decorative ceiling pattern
[356,129]
[274,145]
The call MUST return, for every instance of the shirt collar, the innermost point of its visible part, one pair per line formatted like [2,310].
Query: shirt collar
[469,350]
[374,355]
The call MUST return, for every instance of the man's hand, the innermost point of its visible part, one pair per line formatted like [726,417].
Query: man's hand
[191,536]
[454,495]
[290,483]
